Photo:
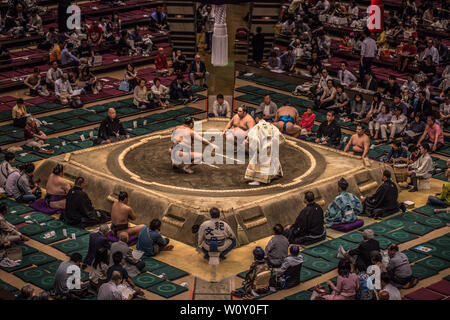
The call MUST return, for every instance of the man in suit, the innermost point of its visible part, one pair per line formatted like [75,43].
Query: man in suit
[198,71]
[363,251]
[97,241]
[369,82]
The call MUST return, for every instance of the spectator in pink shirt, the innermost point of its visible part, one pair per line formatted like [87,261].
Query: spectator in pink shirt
[347,284]
[435,135]
[307,121]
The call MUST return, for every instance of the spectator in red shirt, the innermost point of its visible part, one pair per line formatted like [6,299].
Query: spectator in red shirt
[435,135]
[162,67]
[407,55]
[307,121]
[34,138]
[95,33]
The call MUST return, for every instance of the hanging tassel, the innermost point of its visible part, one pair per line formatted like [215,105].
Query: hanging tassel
[219,55]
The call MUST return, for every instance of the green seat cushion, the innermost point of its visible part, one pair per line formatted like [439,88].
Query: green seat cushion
[414,256]
[242,274]
[46,282]
[157,117]
[383,241]
[409,216]
[52,266]
[379,229]
[38,258]
[92,118]
[5,139]
[56,224]
[418,229]
[39,217]
[401,236]
[18,208]
[57,126]
[422,272]
[71,137]
[302,295]
[30,157]
[428,248]
[32,273]
[153,264]
[7,128]
[49,105]
[78,122]
[433,222]
[434,263]
[167,289]
[308,274]
[426,210]
[189,110]
[443,253]
[444,215]
[320,265]
[65,149]
[7,287]
[335,243]
[127,110]
[320,251]
[70,246]
[54,142]
[14,219]
[40,237]
[26,249]
[172,273]
[441,176]
[146,280]
[85,144]
[443,241]
[140,131]
[355,237]
[32,229]
[394,223]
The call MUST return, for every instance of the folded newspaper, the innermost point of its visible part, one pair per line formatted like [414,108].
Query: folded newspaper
[125,291]
[137,254]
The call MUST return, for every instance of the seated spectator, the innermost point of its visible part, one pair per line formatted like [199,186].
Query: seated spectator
[414,130]
[221,107]
[5,56]
[62,275]
[74,79]
[109,290]
[347,284]
[161,64]
[384,201]
[33,82]
[318,90]
[399,269]
[34,25]
[392,88]
[117,266]
[179,62]
[369,82]
[111,130]
[150,240]
[53,74]
[409,84]
[288,60]
[95,33]
[345,208]
[20,114]
[423,168]
[159,94]
[158,20]
[8,232]
[346,78]
[396,125]
[26,293]
[289,273]
[329,132]
[136,37]
[181,90]
[307,121]
[314,61]
[341,100]
[6,169]
[97,241]
[375,269]
[442,50]
[79,211]
[381,39]
[16,21]
[433,135]
[359,143]
[216,236]
[328,96]
[442,199]
[308,227]
[258,267]
[397,152]
[198,71]
[268,108]
[85,53]
[63,90]
[89,81]
[382,119]
[97,274]
[358,109]
[426,90]
[429,70]
[140,95]
[407,55]
[67,58]
[430,51]
[364,293]
[374,110]
[362,254]
[394,293]
[288,27]
[51,38]
[55,52]
[126,45]
[258,46]
[320,7]
[274,62]
[444,111]
[277,247]
[131,77]
[35,138]
[129,262]
[121,214]
[57,188]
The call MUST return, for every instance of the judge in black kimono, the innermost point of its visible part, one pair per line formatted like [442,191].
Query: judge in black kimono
[111,130]
[385,200]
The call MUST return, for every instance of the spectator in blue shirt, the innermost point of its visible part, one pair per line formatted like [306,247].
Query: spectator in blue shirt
[150,240]
[396,152]
[67,58]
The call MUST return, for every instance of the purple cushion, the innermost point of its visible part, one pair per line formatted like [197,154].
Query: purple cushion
[424,294]
[442,287]
[132,240]
[41,206]
[348,226]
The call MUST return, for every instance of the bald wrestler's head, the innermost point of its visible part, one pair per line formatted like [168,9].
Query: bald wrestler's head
[112,113]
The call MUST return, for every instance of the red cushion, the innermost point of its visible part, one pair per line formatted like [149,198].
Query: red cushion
[424,294]
[442,287]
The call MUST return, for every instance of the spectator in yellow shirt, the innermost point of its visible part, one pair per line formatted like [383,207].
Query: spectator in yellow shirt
[19,114]
[442,199]
[55,53]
